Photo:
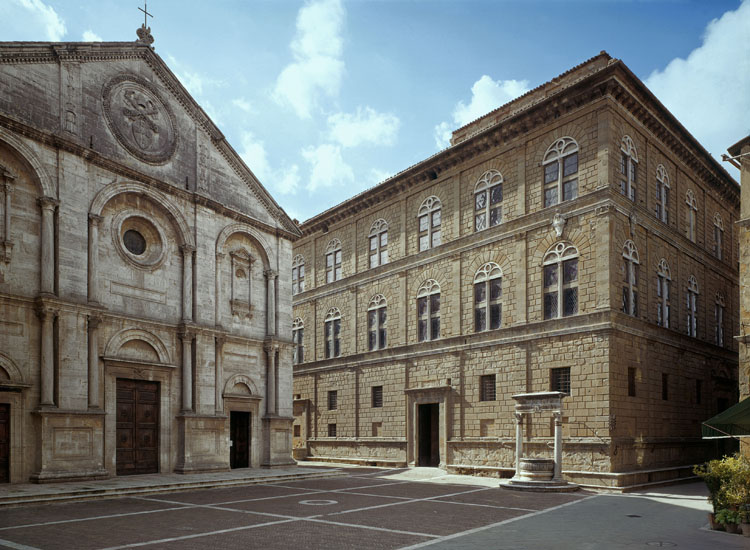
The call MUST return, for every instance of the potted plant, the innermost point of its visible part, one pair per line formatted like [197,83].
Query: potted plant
[713,474]
[729,519]
[745,520]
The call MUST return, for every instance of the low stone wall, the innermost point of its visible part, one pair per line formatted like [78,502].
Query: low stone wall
[370,449]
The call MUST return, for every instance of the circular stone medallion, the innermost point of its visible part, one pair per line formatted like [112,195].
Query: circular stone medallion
[140,120]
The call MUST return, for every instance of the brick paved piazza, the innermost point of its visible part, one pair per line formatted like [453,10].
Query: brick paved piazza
[362,509]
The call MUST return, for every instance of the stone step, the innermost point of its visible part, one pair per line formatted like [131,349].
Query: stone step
[58,493]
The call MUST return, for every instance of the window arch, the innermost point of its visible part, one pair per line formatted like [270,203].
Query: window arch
[376,322]
[560,267]
[488,289]
[333,333]
[663,281]
[428,311]
[692,214]
[718,236]
[488,200]
[719,306]
[429,216]
[561,171]
[378,238]
[298,274]
[692,306]
[333,261]
[298,333]
[631,262]
[662,193]
[628,167]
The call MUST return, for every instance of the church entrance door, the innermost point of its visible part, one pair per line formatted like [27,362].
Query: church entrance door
[4,443]
[428,434]
[239,432]
[137,427]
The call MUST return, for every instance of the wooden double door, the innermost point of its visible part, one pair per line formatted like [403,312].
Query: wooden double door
[137,427]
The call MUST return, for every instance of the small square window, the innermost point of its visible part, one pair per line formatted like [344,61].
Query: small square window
[665,386]
[631,381]
[487,387]
[297,430]
[377,396]
[560,379]
[333,396]
[331,430]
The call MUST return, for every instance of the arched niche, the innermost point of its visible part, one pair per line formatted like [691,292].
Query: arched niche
[124,343]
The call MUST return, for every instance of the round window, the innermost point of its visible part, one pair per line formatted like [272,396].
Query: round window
[134,242]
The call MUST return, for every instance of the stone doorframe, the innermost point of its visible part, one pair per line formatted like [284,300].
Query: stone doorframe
[115,368]
[422,396]
[12,392]
[251,404]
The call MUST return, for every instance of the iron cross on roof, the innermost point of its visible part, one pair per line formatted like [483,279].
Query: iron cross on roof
[146,15]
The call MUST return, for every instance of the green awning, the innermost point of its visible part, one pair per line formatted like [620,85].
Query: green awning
[735,421]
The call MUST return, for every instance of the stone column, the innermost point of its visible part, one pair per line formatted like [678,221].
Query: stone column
[187,372]
[187,282]
[8,188]
[219,374]
[519,442]
[47,366]
[93,274]
[271,301]
[270,349]
[218,294]
[94,398]
[558,446]
[48,206]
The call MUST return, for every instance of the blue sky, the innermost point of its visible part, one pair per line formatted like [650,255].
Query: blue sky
[326,98]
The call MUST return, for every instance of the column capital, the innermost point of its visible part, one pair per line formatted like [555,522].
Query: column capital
[220,339]
[270,273]
[220,255]
[48,203]
[6,176]
[270,347]
[187,249]
[186,333]
[558,418]
[8,186]
[95,219]
[45,311]
[519,418]
[93,321]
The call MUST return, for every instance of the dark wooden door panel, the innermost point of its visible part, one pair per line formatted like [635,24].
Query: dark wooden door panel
[239,428]
[137,427]
[4,443]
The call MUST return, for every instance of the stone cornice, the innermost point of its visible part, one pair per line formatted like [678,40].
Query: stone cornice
[86,52]
[615,83]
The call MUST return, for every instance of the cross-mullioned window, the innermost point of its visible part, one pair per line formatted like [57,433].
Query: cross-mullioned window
[332,333]
[630,280]
[430,222]
[488,292]
[560,280]
[378,242]
[561,171]
[377,318]
[428,311]
[488,200]
[333,261]
[298,274]
[628,168]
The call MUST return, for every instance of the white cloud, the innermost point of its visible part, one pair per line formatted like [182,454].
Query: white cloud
[327,167]
[193,81]
[317,48]
[254,154]
[364,126]
[708,91]
[243,104]
[486,95]
[287,180]
[27,19]
[378,176]
[91,36]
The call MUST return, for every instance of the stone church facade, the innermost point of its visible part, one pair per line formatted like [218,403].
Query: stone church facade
[577,239]
[143,313]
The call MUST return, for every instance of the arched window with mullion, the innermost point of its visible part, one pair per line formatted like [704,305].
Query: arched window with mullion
[332,335]
[488,199]
[560,280]
[631,263]
[692,214]
[376,323]
[663,280]
[488,292]
[428,311]
[719,306]
[430,223]
[298,274]
[333,261]
[718,236]
[692,306]
[378,241]
[298,334]
[561,171]
[662,194]
[628,168]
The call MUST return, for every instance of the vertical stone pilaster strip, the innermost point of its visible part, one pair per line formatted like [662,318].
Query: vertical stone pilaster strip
[218,297]
[270,301]
[270,378]
[48,206]
[219,374]
[93,272]
[93,362]
[8,188]
[187,372]
[187,282]
[47,363]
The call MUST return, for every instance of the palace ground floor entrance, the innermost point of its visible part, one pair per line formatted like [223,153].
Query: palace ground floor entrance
[428,434]
[137,427]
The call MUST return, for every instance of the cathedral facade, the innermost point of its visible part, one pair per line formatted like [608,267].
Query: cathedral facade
[577,239]
[143,317]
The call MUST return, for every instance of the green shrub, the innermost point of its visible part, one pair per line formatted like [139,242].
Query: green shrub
[728,482]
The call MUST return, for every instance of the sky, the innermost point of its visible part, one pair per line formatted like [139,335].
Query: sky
[325,98]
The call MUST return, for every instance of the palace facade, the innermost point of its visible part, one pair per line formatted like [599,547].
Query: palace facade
[576,239]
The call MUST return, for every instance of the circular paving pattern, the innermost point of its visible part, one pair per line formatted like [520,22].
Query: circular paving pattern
[318,502]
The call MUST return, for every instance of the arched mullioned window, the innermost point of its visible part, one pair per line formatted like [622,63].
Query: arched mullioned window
[663,280]
[561,171]
[298,274]
[298,333]
[718,236]
[692,214]
[378,239]
[430,222]
[662,193]
[631,262]
[333,261]
[692,306]
[719,306]
[628,167]
[377,318]
[333,333]
[560,266]
[428,311]
[488,200]
[488,292]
